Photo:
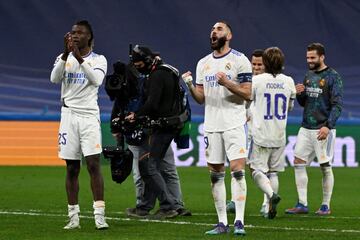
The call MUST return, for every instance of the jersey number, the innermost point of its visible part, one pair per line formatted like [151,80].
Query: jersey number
[62,138]
[279,103]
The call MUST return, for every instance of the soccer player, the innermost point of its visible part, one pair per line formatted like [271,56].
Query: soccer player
[273,94]
[80,72]
[257,62]
[257,68]
[223,83]
[321,96]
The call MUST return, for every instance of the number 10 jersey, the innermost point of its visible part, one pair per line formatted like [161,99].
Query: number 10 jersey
[271,98]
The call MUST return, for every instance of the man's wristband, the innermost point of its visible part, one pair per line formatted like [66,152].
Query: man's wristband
[189,85]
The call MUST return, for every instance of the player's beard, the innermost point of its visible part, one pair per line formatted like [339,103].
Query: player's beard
[218,44]
[314,66]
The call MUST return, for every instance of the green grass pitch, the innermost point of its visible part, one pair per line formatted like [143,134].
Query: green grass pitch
[33,206]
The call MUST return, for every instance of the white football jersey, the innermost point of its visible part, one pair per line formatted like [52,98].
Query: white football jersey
[271,96]
[80,83]
[223,109]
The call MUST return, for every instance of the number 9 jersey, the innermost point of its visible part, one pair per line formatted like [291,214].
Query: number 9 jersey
[272,98]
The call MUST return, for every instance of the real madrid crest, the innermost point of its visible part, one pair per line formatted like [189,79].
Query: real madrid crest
[206,68]
[228,66]
[322,82]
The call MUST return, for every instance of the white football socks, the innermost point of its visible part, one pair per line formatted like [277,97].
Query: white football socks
[327,184]
[219,195]
[274,181]
[99,208]
[238,192]
[263,182]
[301,180]
[73,209]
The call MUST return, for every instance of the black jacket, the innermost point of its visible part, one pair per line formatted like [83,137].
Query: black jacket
[161,94]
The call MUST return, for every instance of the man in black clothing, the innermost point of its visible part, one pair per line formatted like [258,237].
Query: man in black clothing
[161,100]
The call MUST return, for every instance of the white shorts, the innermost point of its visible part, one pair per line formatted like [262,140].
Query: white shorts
[308,147]
[231,144]
[267,159]
[78,135]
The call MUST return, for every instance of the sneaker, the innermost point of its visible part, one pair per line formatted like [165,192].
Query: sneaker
[100,222]
[323,210]
[298,209]
[220,228]
[239,228]
[162,213]
[137,212]
[183,212]
[74,222]
[230,207]
[273,202]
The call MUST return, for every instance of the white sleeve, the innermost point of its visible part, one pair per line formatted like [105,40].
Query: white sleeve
[293,89]
[199,73]
[293,94]
[57,73]
[95,74]
[244,73]
[253,90]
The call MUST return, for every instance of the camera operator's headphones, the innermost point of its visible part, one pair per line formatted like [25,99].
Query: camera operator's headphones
[147,58]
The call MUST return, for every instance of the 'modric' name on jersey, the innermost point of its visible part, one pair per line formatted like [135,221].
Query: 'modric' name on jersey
[80,82]
[228,112]
[271,96]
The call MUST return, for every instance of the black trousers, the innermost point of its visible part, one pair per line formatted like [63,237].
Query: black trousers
[149,167]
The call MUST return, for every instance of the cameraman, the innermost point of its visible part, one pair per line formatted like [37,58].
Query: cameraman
[146,198]
[161,100]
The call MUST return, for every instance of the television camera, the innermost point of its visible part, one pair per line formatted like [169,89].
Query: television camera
[121,86]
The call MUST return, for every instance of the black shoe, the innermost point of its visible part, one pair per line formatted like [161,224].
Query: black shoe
[274,201]
[162,213]
[183,212]
[137,212]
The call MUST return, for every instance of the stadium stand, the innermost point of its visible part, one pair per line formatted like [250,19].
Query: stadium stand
[33,35]
[23,97]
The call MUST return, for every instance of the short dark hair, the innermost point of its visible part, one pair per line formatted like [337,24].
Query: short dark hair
[318,47]
[86,24]
[226,23]
[273,59]
[257,53]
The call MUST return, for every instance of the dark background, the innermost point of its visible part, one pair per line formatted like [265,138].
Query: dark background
[32,36]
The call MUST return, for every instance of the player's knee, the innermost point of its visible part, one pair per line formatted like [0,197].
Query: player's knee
[272,174]
[73,168]
[326,168]
[238,175]
[216,176]
[299,166]
[327,164]
[93,167]
[256,173]
[298,161]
